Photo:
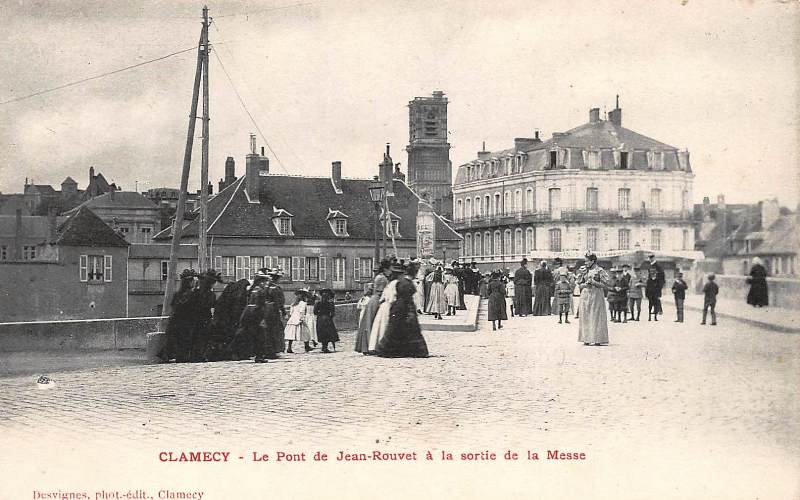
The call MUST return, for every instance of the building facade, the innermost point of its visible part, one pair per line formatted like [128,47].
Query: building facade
[131,214]
[321,231]
[598,187]
[430,172]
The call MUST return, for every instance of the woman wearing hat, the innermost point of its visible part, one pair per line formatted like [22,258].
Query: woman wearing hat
[543,283]
[250,338]
[181,321]
[419,284]
[403,337]
[437,304]
[206,299]
[371,309]
[451,290]
[296,327]
[382,316]
[227,312]
[497,301]
[593,324]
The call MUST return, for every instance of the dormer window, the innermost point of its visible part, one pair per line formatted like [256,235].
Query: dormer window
[338,222]
[283,221]
[395,228]
[553,159]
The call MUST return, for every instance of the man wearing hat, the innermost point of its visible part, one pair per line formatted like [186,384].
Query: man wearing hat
[522,289]
[180,327]
[660,277]
[204,310]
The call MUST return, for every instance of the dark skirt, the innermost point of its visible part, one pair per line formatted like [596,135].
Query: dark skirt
[541,304]
[326,329]
[522,299]
[403,338]
[273,329]
[758,294]
[497,307]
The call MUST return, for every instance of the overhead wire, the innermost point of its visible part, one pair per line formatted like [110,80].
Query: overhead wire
[269,9]
[95,77]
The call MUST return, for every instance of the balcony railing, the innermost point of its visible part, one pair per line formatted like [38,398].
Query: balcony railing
[147,287]
[570,215]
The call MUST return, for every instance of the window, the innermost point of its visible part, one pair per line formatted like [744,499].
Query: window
[477,244]
[3,252]
[242,267]
[685,241]
[507,207]
[555,240]
[228,268]
[553,159]
[478,207]
[28,252]
[395,229]
[487,243]
[285,265]
[656,160]
[507,248]
[125,231]
[592,159]
[468,208]
[256,263]
[340,227]
[145,232]
[487,205]
[624,199]
[164,270]
[298,269]
[529,200]
[497,204]
[285,226]
[315,269]
[685,201]
[497,243]
[518,200]
[362,269]
[554,199]
[591,199]
[95,268]
[339,270]
[655,200]
[624,237]
[530,239]
[467,245]
[655,239]
[623,160]
[518,248]
[459,209]
[591,239]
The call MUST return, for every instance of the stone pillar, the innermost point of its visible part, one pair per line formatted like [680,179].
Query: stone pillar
[426,230]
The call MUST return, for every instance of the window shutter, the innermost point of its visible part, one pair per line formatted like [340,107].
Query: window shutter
[302,264]
[83,268]
[268,262]
[218,263]
[296,268]
[323,272]
[107,260]
[356,270]
[246,267]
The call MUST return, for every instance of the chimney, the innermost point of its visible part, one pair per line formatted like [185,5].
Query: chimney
[770,212]
[336,176]
[594,115]
[385,171]
[483,154]
[230,170]
[210,189]
[615,115]
[252,168]
[18,236]
[91,174]
[438,94]
[398,174]
[536,136]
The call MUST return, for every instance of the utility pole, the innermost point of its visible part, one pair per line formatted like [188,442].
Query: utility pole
[177,225]
[202,247]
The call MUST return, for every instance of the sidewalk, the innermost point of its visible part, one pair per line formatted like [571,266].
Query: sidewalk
[778,319]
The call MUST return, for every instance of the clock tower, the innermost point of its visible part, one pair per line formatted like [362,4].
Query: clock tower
[430,172]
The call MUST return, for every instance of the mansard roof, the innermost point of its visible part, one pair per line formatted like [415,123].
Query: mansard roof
[84,228]
[310,200]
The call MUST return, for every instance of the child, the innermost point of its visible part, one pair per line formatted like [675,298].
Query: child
[710,291]
[509,291]
[635,294]
[296,327]
[613,295]
[326,329]
[311,318]
[652,291]
[564,292]
[483,286]
[679,292]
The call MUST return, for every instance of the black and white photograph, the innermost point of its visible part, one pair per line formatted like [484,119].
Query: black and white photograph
[339,249]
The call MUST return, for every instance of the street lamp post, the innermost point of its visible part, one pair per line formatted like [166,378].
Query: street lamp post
[377,193]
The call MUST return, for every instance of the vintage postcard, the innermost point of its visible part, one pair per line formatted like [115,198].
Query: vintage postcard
[399,249]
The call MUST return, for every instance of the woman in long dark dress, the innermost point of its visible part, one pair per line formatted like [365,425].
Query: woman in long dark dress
[758,296]
[227,312]
[403,337]
[326,329]
[497,301]
[543,283]
[181,321]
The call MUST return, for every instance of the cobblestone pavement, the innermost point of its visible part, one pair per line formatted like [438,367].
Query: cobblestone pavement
[665,404]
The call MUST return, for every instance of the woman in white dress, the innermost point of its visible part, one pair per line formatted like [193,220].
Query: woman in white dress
[419,283]
[451,295]
[296,327]
[436,301]
[382,316]
[311,318]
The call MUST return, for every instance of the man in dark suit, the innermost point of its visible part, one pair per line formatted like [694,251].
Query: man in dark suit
[660,278]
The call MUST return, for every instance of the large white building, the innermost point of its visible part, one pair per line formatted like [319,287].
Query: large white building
[598,187]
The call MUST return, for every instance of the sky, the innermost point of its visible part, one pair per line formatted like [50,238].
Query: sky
[331,80]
